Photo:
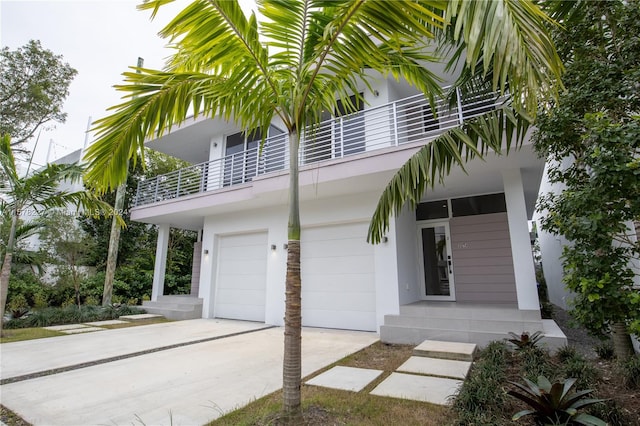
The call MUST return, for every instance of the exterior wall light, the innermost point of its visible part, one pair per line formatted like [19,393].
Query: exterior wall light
[273,247]
[385,239]
[285,246]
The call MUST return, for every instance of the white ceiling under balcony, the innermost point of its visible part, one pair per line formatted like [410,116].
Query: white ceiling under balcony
[191,140]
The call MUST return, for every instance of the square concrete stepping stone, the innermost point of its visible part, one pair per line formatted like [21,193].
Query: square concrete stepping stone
[345,378]
[82,330]
[106,322]
[139,317]
[436,367]
[435,390]
[446,350]
[65,327]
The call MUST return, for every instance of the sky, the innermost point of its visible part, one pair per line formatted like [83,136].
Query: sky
[100,39]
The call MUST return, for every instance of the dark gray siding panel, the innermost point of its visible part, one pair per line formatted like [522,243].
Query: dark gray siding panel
[482,262]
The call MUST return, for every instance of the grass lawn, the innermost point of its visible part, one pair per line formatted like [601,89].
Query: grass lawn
[19,334]
[324,406]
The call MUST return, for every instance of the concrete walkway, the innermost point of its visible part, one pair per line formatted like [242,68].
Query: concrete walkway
[188,385]
[436,372]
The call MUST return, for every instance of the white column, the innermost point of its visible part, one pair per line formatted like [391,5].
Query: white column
[386,276]
[520,241]
[161,261]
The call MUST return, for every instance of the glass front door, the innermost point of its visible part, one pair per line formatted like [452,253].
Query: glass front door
[436,262]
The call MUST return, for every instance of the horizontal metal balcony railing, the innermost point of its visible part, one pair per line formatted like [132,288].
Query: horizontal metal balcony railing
[407,120]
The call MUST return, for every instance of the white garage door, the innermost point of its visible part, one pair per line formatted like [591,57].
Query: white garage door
[242,277]
[338,286]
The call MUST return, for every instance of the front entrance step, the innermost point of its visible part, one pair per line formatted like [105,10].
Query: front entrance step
[182,307]
[465,323]
[446,350]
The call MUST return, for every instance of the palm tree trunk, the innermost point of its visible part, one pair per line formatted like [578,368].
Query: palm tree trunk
[291,368]
[622,346]
[6,267]
[114,244]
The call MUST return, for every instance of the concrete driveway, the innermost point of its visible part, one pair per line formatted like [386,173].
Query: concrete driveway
[221,365]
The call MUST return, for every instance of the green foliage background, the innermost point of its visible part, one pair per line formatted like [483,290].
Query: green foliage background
[592,137]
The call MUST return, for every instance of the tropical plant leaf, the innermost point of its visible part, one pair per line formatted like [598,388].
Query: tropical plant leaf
[588,420]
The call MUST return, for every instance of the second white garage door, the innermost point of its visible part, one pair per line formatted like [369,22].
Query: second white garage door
[338,282]
[242,272]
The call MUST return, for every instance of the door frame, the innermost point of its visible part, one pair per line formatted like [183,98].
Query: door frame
[452,290]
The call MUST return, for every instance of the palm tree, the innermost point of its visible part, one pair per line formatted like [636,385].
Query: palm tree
[302,59]
[33,194]
[23,232]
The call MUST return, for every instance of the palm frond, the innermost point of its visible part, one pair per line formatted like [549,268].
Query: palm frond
[155,101]
[509,39]
[8,169]
[434,161]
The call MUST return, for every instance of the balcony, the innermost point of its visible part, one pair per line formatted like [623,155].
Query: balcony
[394,124]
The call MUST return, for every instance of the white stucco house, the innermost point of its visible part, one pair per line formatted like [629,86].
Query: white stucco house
[459,267]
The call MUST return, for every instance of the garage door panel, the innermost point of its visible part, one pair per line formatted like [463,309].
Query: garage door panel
[242,282]
[341,301]
[242,267]
[354,264]
[243,240]
[323,318]
[338,281]
[243,312]
[244,252]
[242,297]
[342,231]
[335,248]
[242,270]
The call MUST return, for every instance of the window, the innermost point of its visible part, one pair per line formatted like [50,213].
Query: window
[432,210]
[241,161]
[481,204]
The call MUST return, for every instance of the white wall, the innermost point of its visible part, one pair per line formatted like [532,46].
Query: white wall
[274,220]
[409,287]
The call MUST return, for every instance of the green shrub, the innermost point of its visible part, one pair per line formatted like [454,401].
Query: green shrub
[482,396]
[610,412]
[93,286]
[566,352]
[546,310]
[71,315]
[40,300]
[584,372]
[535,362]
[91,301]
[630,370]
[605,350]
[174,284]
[60,294]
[132,282]
[18,306]
[27,284]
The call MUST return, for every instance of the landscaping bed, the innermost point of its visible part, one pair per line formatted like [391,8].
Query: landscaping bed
[72,314]
[483,399]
